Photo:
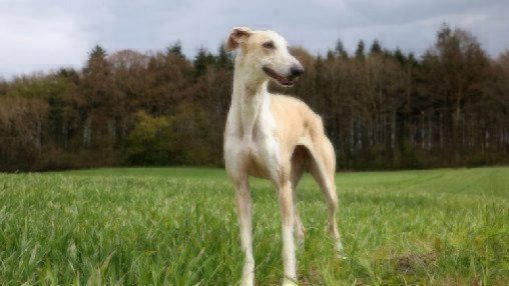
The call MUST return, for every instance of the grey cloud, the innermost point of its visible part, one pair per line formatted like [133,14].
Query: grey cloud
[44,34]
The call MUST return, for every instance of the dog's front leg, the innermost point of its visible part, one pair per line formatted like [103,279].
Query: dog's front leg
[243,199]
[287,221]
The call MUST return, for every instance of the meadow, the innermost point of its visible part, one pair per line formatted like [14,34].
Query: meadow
[177,226]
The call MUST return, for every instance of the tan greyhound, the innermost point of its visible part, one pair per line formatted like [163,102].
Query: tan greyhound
[273,137]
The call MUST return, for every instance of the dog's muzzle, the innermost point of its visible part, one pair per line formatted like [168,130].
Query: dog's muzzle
[295,71]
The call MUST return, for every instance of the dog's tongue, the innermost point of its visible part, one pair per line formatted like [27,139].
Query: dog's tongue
[285,81]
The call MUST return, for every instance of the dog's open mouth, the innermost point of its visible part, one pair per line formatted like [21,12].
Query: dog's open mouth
[284,81]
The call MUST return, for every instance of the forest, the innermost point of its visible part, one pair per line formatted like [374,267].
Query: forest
[382,108]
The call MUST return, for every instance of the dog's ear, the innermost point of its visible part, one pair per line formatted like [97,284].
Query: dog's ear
[237,36]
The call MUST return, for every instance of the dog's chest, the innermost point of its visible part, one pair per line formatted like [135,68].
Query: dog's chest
[260,155]
[250,141]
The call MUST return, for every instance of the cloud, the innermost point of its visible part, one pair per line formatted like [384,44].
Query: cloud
[41,35]
[46,34]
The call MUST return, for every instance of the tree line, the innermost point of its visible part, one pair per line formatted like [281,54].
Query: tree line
[383,109]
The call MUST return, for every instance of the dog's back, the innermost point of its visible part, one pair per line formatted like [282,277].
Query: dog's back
[295,120]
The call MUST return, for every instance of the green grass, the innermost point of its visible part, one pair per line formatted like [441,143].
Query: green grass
[177,226]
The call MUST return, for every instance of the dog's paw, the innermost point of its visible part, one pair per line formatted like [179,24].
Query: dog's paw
[289,282]
[340,252]
[341,256]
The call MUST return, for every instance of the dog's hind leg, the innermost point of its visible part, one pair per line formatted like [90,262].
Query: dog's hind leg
[299,161]
[322,168]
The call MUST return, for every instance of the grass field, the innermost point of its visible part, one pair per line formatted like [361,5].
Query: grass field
[177,226]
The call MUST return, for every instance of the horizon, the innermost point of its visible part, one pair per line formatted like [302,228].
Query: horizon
[350,51]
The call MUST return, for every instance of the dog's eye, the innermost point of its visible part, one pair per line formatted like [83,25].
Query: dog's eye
[269,45]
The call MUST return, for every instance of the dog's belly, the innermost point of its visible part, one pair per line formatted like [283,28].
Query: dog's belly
[257,168]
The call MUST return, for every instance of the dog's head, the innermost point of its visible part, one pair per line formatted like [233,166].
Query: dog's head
[266,54]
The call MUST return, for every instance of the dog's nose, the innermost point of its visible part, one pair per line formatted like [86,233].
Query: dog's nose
[296,71]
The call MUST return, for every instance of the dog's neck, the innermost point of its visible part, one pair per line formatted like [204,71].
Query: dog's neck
[250,99]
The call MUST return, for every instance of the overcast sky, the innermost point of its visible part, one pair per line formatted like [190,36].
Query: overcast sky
[40,35]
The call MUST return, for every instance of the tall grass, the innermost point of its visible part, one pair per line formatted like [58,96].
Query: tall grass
[177,226]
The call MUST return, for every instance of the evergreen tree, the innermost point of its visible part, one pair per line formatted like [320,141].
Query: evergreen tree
[399,56]
[224,60]
[340,49]
[96,62]
[412,60]
[376,48]
[203,59]
[175,49]
[359,52]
